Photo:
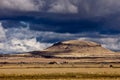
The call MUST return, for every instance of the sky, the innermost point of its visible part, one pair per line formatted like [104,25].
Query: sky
[30,25]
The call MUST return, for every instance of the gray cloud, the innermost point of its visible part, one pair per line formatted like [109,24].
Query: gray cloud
[22,5]
[2,33]
[83,7]
[19,40]
[60,6]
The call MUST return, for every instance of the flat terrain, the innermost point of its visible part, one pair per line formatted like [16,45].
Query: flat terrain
[33,62]
[46,60]
[38,68]
[60,74]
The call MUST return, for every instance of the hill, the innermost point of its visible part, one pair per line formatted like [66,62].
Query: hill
[75,48]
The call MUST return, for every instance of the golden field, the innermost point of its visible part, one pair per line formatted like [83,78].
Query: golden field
[33,68]
[58,73]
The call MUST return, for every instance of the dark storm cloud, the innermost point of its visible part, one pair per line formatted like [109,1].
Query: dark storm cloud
[63,24]
[64,16]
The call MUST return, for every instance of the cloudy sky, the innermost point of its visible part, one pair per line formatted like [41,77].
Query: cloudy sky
[28,25]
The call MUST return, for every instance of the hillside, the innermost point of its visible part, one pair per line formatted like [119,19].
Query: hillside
[75,48]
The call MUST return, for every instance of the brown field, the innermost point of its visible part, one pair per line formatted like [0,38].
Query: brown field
[60,74]
[36,68]
[46,60]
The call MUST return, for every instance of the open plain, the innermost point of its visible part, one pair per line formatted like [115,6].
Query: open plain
[69,60]
[30,68]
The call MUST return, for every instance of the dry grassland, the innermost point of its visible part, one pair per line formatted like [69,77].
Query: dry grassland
[61,74]
[30,68]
